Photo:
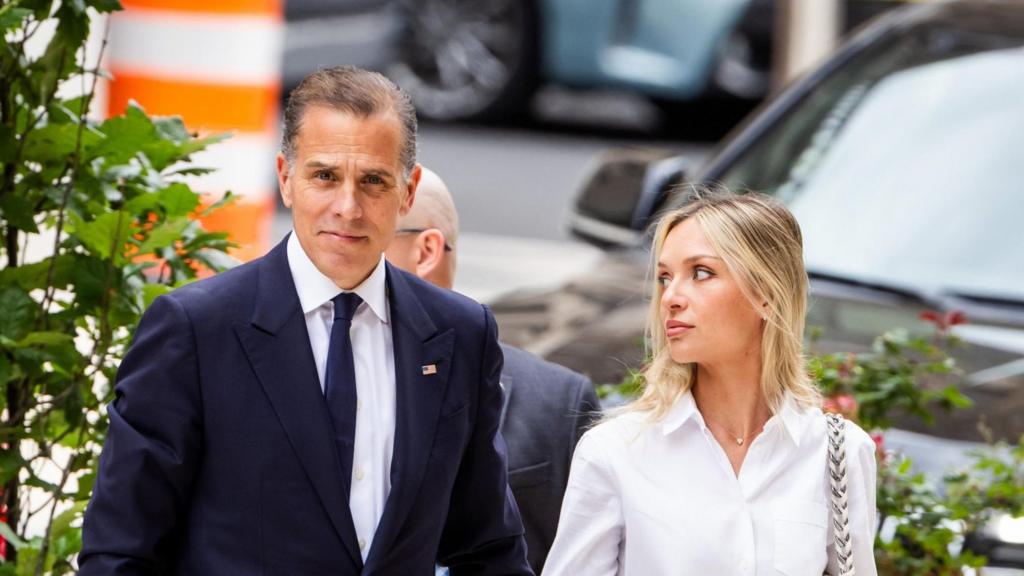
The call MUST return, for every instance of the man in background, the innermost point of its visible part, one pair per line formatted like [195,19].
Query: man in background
[546,407]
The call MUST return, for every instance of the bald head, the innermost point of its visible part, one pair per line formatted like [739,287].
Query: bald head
[428,233]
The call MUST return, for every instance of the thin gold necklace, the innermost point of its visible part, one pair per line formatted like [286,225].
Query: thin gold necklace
[740,440]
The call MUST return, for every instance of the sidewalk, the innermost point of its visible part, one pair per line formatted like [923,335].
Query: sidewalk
[493,266]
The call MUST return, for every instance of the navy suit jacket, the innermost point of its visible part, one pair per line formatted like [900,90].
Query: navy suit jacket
[547,409]
[219,459]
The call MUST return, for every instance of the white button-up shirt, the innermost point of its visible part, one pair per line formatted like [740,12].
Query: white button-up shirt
[373,353]
[658,498]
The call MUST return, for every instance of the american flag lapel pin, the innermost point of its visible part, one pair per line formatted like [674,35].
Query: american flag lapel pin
[429,369]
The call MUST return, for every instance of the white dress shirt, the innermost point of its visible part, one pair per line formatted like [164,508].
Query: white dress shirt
[373,353]
[658,498]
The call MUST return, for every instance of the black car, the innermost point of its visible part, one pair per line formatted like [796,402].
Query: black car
[903,159]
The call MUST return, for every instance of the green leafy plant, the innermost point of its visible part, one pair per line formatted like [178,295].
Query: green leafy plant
[96,221]
[920,534]
[890,380]
[924,527]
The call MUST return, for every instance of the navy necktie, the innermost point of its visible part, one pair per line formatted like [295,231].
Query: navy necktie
[340,381]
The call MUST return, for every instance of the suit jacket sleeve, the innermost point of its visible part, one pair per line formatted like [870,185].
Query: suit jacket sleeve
[151,451]
[483,533]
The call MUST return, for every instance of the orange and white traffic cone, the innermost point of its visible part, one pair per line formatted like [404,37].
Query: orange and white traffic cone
[217,64]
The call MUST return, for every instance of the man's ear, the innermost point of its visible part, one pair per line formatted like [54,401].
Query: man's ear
[283,179]
[430,252]
[410,190]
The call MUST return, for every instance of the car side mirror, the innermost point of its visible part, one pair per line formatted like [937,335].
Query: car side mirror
[622,193]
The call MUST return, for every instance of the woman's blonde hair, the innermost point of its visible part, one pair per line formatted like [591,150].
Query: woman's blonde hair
[760,242]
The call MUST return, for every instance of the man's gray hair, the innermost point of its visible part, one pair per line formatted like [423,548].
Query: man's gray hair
[358,92]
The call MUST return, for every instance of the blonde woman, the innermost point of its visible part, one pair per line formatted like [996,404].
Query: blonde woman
[720,467]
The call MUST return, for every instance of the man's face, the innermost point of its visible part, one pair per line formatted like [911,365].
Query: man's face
[346,190]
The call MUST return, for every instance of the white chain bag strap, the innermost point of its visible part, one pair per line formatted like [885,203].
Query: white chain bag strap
[838,493]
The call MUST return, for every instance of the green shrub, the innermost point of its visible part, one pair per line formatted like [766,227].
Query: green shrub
[95,222]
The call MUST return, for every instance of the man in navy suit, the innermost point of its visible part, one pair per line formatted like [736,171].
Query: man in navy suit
[547,407]
[316,411]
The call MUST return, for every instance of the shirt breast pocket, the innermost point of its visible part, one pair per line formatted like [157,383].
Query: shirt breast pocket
[801,527]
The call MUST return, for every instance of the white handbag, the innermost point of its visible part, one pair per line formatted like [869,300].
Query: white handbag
[838,493]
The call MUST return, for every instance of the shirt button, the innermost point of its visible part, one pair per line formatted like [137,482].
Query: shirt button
[362,544]
[359,404]
[359,474]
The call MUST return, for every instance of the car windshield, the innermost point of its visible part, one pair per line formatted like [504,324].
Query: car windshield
[907,166]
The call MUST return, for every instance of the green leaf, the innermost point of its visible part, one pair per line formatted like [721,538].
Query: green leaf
[216,260]
[956,399]
[52,142]
[105,5]
[33,276]
[11,17]
[67,111]
[73,22]
[65,538]
[11,537]
[197,144]
[126,135]
[56,63]
[27,557]
[171,128]
[164,235]
[41,8]
[228,199]
[904,466]
[192,171]
[45,339]
[142,203]
[106,235]
[89,277]
[151,292]
[19,212]
[178,199]
[19,311]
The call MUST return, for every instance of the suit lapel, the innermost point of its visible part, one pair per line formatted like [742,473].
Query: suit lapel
[278,332]
[422,364]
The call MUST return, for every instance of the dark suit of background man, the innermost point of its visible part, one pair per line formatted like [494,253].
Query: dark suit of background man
[248,436]
[547,406]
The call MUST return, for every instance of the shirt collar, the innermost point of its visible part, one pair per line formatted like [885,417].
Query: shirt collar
[315,289]
[681,411]
[792,418]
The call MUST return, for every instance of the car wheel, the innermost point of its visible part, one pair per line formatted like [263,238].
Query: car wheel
[467,59]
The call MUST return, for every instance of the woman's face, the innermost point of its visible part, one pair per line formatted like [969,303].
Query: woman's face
[706,318]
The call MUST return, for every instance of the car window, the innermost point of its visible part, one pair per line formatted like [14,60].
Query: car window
[907,167]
